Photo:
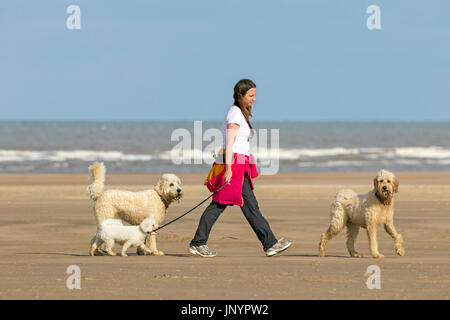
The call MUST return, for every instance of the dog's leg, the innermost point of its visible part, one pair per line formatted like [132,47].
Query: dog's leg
[330,233]
[337,223]
[352,233]
[372,235]
[99,249]
[390,229]
[143,249]
[151,243]
[149,247]
[125,247]
[322,245]
[109,247]
[103,211]
[94,245]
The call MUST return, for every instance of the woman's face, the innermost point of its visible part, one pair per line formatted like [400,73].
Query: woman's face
[249,97]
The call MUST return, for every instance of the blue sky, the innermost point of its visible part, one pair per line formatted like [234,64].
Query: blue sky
[311,60]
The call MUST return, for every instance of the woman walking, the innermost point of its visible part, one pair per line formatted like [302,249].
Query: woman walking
[238,170]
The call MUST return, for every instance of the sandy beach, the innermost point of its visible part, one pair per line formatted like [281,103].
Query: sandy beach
[46,223]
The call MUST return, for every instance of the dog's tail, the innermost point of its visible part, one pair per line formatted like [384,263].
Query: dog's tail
[97,172]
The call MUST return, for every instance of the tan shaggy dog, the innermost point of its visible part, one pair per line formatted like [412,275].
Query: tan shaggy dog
[133,207]
[368,211]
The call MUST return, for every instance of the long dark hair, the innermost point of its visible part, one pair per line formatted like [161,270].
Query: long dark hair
[240,89]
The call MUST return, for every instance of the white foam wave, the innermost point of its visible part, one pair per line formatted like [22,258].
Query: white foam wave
[353,156]
[60,156]
[331,164]
[281,154]
[343,163]
[432,152]
[293,154]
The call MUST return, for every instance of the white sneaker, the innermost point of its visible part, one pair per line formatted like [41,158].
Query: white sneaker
[202,250]
[278,247]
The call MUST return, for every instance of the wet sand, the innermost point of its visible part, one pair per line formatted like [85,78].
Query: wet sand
[46,223]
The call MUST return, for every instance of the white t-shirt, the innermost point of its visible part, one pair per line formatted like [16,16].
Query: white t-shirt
[242,142]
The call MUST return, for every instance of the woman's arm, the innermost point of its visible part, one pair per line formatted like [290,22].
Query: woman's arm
[232,130]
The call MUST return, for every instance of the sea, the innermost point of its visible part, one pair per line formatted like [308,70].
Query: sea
[191,146]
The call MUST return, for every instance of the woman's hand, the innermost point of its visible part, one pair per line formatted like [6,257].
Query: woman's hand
[232,130]
[228,174]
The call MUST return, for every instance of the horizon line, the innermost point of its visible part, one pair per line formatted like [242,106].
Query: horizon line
[209,120]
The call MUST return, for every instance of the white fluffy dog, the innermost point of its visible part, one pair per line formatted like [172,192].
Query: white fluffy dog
[368,211]
[133,207]
[113,231]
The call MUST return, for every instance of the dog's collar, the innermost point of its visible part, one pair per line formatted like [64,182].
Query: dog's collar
[163,200]
[381,199]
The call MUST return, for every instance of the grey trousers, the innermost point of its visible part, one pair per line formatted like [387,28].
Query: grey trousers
[251,211]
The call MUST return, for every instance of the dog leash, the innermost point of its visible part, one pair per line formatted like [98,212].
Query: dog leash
[164,225]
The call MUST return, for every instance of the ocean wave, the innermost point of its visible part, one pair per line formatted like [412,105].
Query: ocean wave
[262,153]
[293,154]
[349,156]
[331,164]
[366,153]
[392,162]
[432,152]
[60,156]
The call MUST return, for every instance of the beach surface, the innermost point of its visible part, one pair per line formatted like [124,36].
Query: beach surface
[47,222]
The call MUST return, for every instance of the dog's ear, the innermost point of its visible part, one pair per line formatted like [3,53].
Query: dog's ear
[395,183]
[375,183]
[160,185]
[148,225]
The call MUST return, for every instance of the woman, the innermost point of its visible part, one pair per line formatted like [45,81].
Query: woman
[238,171]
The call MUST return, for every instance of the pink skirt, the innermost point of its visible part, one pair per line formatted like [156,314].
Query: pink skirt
[242,166]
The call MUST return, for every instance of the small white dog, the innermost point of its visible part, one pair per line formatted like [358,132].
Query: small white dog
[367,211]
[133,207]
[113,231]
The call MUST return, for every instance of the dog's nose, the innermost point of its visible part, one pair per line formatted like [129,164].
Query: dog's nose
[384,187]
[178,190]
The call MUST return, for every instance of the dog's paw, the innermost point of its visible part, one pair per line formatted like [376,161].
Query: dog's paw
[357,255]
[400,251]
[157,253]
[97,253]
[378,256]
[142,252]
